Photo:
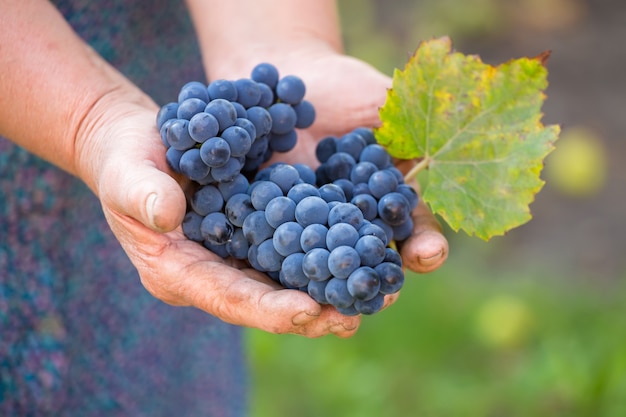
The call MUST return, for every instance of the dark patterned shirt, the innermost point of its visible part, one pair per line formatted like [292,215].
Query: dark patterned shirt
[79,335]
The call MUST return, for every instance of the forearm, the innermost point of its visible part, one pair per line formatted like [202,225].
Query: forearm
[234,35]
[51,82]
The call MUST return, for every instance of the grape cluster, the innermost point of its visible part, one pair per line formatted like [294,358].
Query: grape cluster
[328,232]
[215,132]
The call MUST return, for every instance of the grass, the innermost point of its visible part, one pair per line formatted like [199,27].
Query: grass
[467,340]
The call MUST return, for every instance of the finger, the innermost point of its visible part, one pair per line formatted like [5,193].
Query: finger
[145,193]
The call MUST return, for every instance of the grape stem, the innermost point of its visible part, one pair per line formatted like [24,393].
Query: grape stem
[423,164]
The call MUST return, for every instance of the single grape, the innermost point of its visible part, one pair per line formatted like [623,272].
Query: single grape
[331,192]
[370,306]
[381,183]
[248,125]
[203,126]
[241,111]
[253,257]
[261,119]
[367,204]
[410,194]
[347,186]
[352,144]
[363,283]
[267,95]
[371,250]
[337,293]
[313,236]
[393,256]
[312,210]
[315,264]
[346,213]
[172,156]
[238,139]
[339,165]
[229,188]
[290,89]
[207,199]
[403,231]
[317,291]
[265,73]
[238,246]
[178,135]
[192,165]
[224,111]
[371,229]
[341,234]
[362,172]
[280,210]
[366,133]
[283,118]
[283,142]
[267,256]
[306,173]
[166,112]
[263,192]
[193,89]
[391,277]
[216,229]
[191,226]
[291,273]
[248,92]
[393,208]
[287,238]
[377,155]
[228,171]
[285,176]
[237,208]
[326,148]
[300,191]
[305,114]
[222,89]
[256,228]
[343,260]
[215,152]
[190,107]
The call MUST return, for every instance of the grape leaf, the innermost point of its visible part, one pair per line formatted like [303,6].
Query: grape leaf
[476,128]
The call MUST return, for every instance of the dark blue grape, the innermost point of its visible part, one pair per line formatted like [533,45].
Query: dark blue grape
[326,148]
[313,236]
[256,228]
[216,229]
[248,92]
[283,118]
[178,135]
[207,199]
[348,311]
[341,234]
[337,293]
[239,185]
[410,194]
[238,245]
[393,208]
[371,229]
[166,112]
[371,250]
[317,291]
[403,231]
[381,183]
[371,306]
[362,172]
[222,89]
[191,226]
[224,111]
[347,186]
[312,210]
[290,89]
[339,165]
[253,257]
[391,255]
[396,172]
[315,264]
[306,173]
[261,119]
[267,95]
[361,188]
[367,204]
[346,213]
[215,152]
[300,191]
[219,250]
[192,165]
[280,210]
[287,238]
[367,134]
[267,256]
[248,125]
[342,261]
[391,277]
[228,171]
[291,274]
[305,114]
[283,143]
[238,139]
[377,155]
[172,157]
[203,126]
[331,192]
[285,176]
[190,107]
[238,207]
[263,192]
[258,148]
[193,89]
[163,131]
[241,111]
[265,73]
[363,283]
[383,225]
[351,144]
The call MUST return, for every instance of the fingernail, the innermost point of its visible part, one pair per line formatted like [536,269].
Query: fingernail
[431,260]
[302,318]
[150,207]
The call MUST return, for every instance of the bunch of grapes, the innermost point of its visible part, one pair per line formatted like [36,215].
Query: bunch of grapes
[215,132]
[329,232]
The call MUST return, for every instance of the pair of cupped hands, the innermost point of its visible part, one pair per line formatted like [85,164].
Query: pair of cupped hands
[123,158]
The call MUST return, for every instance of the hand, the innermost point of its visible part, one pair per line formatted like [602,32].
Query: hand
[121,157]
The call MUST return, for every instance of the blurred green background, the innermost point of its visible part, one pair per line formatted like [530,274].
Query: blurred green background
[529,324]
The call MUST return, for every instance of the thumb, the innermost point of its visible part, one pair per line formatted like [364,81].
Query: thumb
[146,194]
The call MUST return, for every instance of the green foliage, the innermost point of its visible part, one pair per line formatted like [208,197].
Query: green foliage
[430,355]
[477,128]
